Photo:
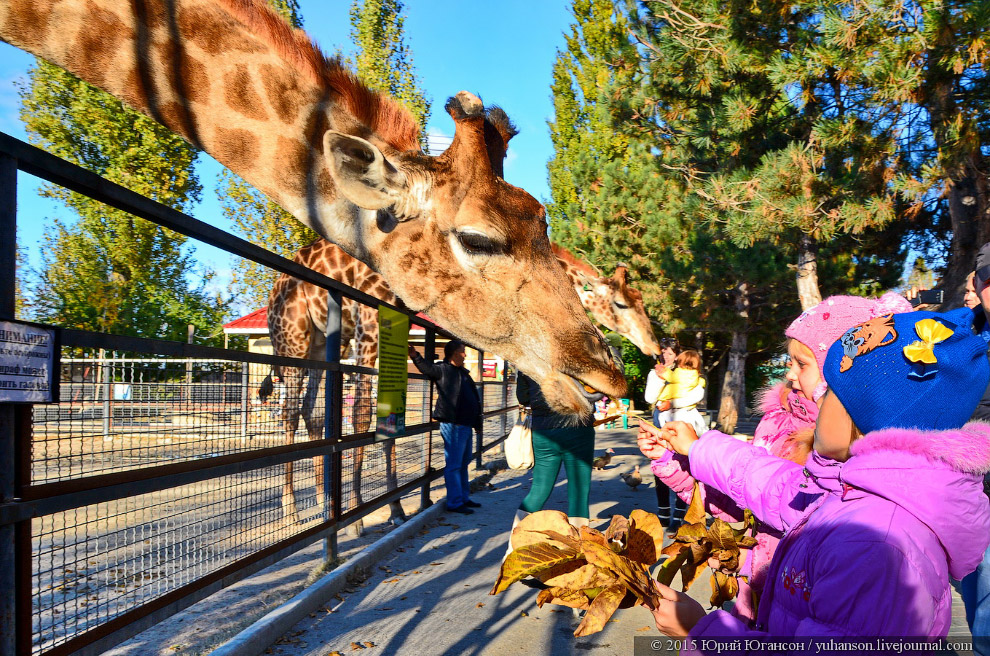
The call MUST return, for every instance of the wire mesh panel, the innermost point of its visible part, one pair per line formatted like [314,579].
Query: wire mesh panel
[121,412]
[94,563]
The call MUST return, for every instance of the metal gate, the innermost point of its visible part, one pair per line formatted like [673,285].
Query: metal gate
[158,478]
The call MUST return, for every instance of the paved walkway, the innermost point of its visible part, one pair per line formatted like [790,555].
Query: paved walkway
[431,596]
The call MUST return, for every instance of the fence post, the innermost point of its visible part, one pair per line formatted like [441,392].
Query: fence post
[333,417]
[505,396]
[104,389]
[481,395]
[8,281]
[429,353]
[244,398]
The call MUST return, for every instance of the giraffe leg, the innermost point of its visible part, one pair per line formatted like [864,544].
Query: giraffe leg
[292,379]
[396,514]
[314,412]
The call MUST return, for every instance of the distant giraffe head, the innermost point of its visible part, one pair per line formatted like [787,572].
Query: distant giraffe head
[611,301]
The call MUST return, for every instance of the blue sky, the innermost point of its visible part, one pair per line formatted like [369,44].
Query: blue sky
[503,54]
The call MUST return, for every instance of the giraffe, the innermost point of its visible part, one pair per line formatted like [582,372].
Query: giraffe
[611,301]
[448,236]
[297,320]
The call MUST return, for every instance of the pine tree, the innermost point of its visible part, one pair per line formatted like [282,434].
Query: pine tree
[917,72]
[108,270]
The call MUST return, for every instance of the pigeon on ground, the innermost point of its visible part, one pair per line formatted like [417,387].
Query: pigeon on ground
[632,479]
[601,461]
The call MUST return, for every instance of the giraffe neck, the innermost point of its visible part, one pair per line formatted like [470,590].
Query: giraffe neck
[226,75]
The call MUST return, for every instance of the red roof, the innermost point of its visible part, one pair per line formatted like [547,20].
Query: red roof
[256,322]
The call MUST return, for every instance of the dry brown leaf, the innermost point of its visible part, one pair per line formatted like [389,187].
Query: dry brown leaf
[528,531]
[601,609]
[530,560]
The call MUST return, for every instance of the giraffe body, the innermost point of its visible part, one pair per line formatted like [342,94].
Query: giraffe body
[297,321]
[450,237]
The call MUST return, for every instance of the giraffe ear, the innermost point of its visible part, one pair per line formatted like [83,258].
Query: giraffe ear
[361,172]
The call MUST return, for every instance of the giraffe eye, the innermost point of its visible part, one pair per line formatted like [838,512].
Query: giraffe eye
[475,243]
[620,305]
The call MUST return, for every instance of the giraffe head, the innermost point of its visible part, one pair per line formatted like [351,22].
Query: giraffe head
[611,301]
[456,241]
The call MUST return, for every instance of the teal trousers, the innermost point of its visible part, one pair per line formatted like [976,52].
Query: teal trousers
[575,449]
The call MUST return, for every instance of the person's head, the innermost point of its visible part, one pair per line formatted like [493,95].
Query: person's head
[454,352]
[915,370]
[970,298]
[669,350]
[803,372]
[689,359]
[818,327]
[981,278]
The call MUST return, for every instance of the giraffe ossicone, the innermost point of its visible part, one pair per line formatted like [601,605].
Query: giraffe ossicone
[450,237]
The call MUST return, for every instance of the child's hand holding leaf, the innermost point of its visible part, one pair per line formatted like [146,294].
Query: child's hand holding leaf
[678,436]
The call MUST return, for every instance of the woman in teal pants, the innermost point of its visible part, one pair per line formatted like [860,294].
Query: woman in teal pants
[557,439]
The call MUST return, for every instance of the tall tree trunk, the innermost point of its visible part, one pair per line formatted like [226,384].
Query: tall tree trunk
[807,272]
[966,186]
[968,194]
[734,384]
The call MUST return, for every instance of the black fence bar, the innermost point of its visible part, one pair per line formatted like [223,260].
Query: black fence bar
[8,467]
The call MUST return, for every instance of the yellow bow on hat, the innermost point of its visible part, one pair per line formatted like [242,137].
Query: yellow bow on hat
[931,333]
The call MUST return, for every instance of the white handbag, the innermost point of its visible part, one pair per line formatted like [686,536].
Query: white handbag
[519,443]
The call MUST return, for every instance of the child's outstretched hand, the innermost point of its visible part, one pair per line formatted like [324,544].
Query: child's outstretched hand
[678,436]
[676,613]
[648,440]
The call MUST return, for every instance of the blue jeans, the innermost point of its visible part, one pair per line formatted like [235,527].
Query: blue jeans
[456,455]
[975,591]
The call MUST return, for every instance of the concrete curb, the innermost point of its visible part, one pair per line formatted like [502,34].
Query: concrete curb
[262,634]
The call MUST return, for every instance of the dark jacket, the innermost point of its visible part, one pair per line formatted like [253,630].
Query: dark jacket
[528,393]
[976,318]
[450,407]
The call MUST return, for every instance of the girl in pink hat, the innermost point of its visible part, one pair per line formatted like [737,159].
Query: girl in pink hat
[786,430]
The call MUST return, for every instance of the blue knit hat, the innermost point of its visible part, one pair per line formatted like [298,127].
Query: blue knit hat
[911,370]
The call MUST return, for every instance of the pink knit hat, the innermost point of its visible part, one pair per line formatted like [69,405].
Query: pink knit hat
[821,325]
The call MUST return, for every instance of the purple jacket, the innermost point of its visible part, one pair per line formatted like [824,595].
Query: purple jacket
[772,435]
[869,544]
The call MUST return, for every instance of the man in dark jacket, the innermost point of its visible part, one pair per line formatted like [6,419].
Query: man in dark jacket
[458,409]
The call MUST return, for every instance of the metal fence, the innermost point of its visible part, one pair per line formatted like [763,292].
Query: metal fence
[160,476]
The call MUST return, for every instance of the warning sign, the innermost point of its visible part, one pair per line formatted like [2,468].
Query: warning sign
[27,362]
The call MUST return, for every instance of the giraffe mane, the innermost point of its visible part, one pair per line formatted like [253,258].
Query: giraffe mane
[386,117]
[563,254]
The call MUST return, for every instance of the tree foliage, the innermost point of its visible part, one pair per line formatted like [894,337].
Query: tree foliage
[383,60]
[720,148]
[108,270]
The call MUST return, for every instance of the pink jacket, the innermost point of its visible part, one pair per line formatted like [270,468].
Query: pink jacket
[775,435]
[870,543]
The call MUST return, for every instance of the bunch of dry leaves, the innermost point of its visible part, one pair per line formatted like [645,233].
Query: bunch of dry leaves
[600,572]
